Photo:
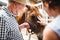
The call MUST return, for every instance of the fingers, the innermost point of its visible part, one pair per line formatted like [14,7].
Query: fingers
[24,25]
[42,21]
[39,17]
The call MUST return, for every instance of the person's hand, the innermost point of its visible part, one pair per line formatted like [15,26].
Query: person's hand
[42,21]
[24,25]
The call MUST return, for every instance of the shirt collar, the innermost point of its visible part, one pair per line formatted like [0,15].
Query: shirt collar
[8,12]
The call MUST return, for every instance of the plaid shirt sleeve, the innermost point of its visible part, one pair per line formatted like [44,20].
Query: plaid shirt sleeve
[2,29]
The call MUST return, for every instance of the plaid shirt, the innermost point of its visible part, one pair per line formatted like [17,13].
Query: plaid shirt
[9,29]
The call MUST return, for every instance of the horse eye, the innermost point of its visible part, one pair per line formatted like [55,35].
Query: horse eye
[34,18]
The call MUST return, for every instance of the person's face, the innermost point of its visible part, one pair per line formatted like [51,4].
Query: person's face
[20,7]
[16,7]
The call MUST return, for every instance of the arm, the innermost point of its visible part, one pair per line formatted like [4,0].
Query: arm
[49,34]
[2,29]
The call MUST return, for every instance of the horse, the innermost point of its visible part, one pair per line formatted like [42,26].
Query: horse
[30,16]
